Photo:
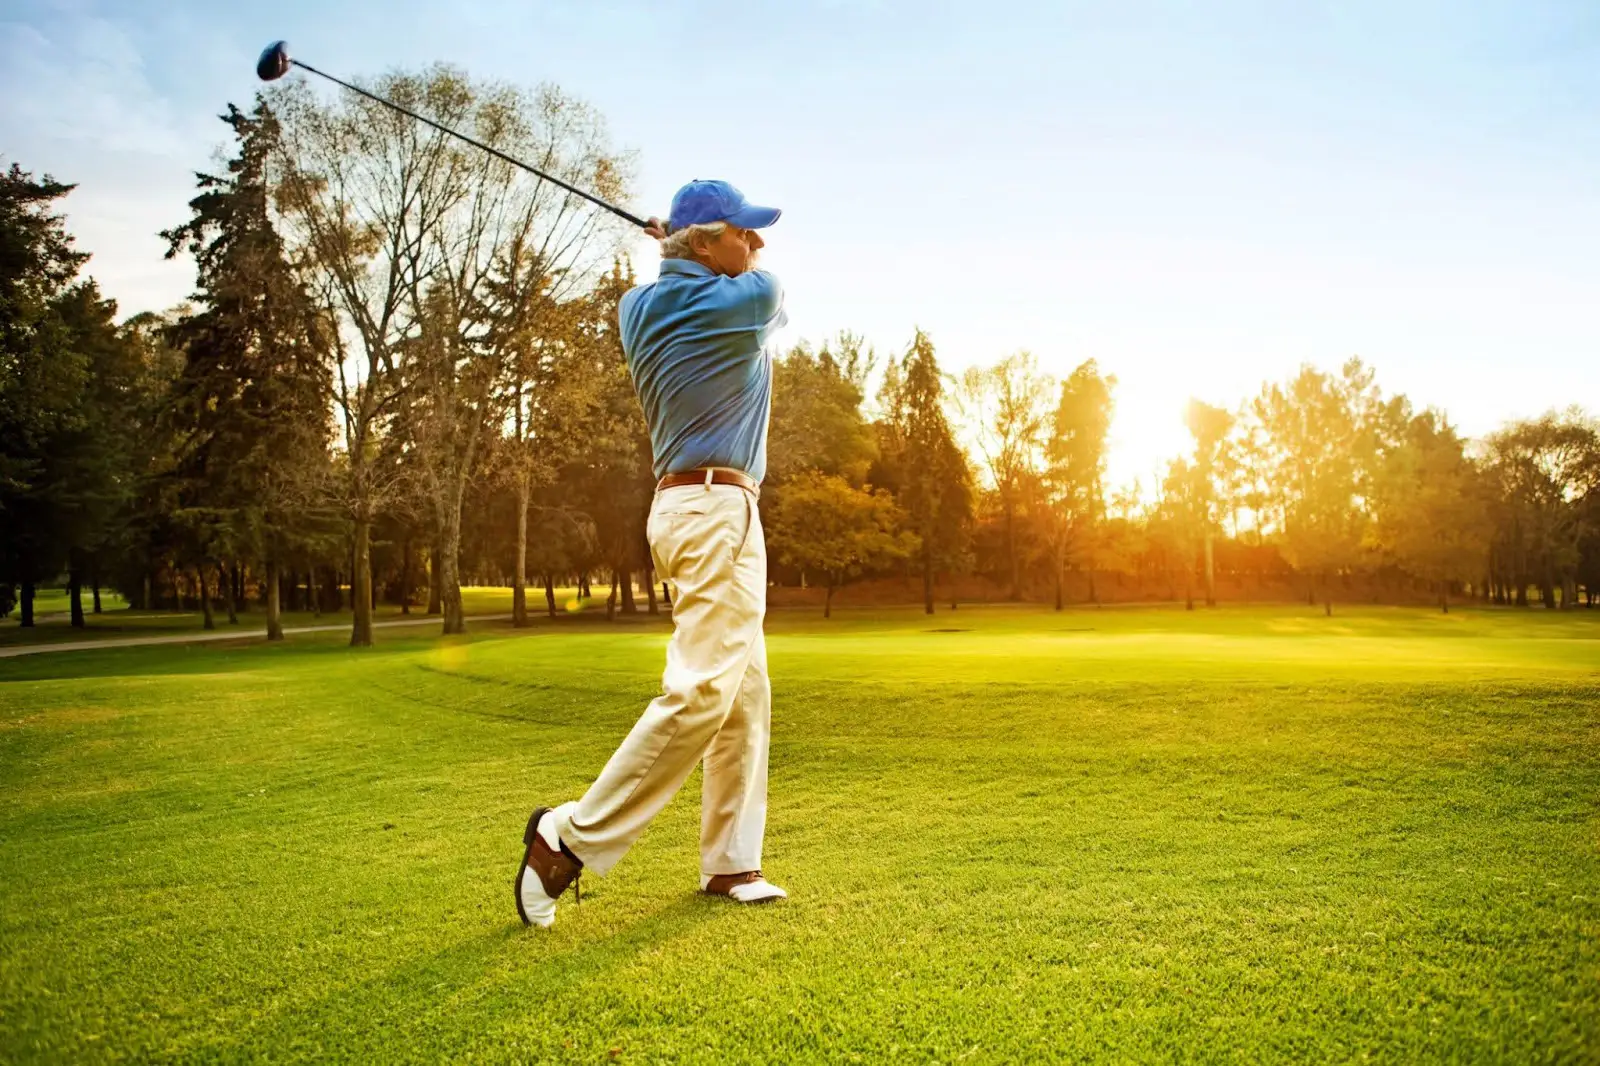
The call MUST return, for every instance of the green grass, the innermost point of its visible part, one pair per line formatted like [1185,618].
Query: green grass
[1132,835]
[53,623]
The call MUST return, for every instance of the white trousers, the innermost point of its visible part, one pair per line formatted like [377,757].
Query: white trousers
[715,703]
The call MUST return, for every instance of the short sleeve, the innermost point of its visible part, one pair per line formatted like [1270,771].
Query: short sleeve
[763,294]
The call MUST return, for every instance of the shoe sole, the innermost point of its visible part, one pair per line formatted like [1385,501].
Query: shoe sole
[527,853]
[743,902]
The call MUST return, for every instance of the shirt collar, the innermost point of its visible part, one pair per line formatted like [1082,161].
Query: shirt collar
[687,267]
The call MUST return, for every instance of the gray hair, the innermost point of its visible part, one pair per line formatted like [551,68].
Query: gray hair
[677,246]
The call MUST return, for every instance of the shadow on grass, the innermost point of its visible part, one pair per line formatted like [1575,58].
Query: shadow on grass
[499,977]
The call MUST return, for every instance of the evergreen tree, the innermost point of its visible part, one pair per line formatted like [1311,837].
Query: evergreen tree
[60,374]
[253,393]
[922,463]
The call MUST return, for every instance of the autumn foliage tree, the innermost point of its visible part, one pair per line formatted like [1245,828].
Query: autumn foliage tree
[824,525]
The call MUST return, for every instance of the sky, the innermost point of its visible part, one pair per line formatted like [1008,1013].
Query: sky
[1200,196]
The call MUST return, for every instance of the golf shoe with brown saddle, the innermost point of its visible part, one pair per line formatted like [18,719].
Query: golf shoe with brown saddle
[547,870]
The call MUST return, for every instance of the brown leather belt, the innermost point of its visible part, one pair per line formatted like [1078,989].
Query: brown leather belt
[718,477]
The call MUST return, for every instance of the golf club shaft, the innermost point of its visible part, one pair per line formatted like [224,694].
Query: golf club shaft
[619,212]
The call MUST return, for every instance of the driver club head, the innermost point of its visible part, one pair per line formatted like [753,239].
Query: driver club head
[274,61]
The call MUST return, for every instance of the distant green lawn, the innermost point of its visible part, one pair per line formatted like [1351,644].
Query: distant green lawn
[53,622]
[1135,834]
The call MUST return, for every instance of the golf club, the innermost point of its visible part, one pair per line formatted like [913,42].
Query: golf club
[275,63]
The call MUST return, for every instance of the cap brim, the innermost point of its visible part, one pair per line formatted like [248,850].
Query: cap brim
[752,217]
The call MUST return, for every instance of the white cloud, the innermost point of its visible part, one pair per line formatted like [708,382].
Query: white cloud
[77,102]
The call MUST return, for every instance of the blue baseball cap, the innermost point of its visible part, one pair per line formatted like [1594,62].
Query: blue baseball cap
[700,202]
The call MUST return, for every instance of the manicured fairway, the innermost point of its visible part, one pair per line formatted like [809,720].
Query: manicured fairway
[1137,835]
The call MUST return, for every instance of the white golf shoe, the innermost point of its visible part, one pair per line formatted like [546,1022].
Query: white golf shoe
[748,887]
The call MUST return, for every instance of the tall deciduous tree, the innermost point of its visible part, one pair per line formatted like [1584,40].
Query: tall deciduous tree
[431,252]
[1319,432]
[1547,471]
[1075,457]
[1208,474]
[1007,409]
[540,436]
[1430,506]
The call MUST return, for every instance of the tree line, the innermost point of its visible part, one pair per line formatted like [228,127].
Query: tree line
[400,372]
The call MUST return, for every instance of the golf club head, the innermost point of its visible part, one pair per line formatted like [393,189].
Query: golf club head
[274,61]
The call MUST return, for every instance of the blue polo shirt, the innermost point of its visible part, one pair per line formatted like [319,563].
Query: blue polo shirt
[696,346]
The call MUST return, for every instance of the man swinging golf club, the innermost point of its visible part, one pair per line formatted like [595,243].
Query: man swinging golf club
[695,344]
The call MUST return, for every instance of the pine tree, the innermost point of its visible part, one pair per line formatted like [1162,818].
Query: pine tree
[254,389]
[45,374]
[923,464]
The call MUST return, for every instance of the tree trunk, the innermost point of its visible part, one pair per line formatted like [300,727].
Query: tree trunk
[927,582]
[94,584]
[519,585]
[1188,589]
[361,586]
[626,580]
[1444,597]
[650,587]
[274,614]
[146,605]
[435,587]
[26,621]
[1327,596]
[225,586]
[827,603]
[1094,593]
[666,595]
[611,598]
[455,619]
[75,597]
[407,578]
[177,590]
[1211,572]
[205,596]
[550,594]
[1519,571]
[1060,598]
[1011,550]
[584,591]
